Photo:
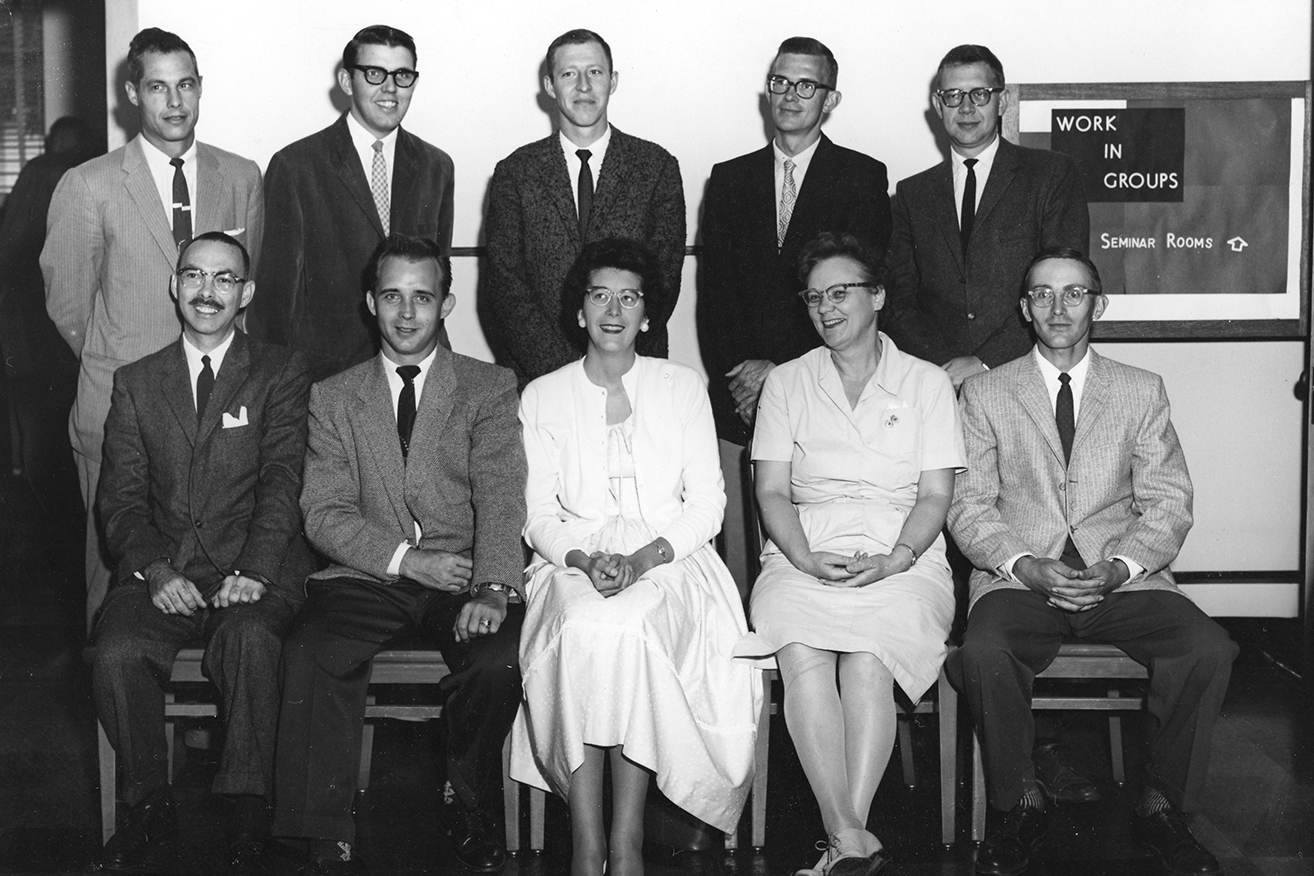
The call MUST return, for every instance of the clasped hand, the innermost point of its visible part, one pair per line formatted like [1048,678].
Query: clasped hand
[612,573]
[173,593]
[1067,588]
[859,570]
[437,570]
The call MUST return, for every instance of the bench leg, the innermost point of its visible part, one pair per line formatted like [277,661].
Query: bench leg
[948,708]
[978,791]
[1115,744]
[537,806]
[761,754]
[904,723]
[170,749]
[108,788]
[510,800]
[366,750]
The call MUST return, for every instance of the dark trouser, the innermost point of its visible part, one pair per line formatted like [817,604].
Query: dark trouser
[1014,634]
[136,645]
[326,671]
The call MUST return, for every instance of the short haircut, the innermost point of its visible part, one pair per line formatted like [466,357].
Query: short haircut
[962,56]
[411,249]
[814,48]
[217,237]
[829,244]
[623,254]
[1066,253]
[578,37]
[377,35]
[161,42]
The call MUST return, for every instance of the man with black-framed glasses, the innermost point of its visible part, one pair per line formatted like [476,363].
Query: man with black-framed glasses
[760,210]
[332,197]
[965,229]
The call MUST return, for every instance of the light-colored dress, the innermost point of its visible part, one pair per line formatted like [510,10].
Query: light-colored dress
[853,479]
[651,667]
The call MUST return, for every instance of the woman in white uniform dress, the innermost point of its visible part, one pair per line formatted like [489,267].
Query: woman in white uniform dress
[855,450]
[632,618]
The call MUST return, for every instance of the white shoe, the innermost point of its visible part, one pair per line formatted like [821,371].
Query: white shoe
[820,868]
[854,852]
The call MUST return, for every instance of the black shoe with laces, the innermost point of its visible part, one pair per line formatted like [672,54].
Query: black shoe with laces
[1168,836]
[148,823]
[478,846]
[1060,782]
[1007,848]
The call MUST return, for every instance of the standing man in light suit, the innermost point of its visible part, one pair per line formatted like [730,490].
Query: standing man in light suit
[113,232]
[549,198]
[1075,500]
[330,198]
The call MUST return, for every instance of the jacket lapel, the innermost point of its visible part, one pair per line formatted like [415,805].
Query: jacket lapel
[1001,177]
[346,164]
[945,213]
[555,178]
[377,422]
[431,415]
[231,376]
[814,197]
[1035,401]
[141,188]
[612,179]
[760,211]
[1094,399]
[176,388]
[405,168]
[209,190]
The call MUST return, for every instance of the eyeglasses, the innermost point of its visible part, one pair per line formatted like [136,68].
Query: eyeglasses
[194,278]
[602,295]
[1043,296]
[834,294]
[804,88]
[952,97]
[375,75]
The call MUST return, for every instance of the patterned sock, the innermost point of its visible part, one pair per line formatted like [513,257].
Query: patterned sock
[1032,799]
[1152,801]
[330,850]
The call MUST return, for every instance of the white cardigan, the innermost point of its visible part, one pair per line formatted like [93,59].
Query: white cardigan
[676,459]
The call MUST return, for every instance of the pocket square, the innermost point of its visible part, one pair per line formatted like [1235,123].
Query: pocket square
[234,232]
[231,422]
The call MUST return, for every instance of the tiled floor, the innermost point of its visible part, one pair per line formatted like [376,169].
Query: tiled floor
[1259,818]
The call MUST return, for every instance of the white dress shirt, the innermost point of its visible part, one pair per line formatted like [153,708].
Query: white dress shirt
[801,163]
[162,173]
[363,140]
[984,162]
[598,150]
[395,386]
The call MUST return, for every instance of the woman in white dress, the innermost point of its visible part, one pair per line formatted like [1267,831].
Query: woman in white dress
[626,650]
[855,450]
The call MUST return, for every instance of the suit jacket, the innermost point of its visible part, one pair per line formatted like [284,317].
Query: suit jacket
[217,497]
[532,235]
[1125,491]
[323,227]
[109,254]
[748,305]
[939,307]
[463,481]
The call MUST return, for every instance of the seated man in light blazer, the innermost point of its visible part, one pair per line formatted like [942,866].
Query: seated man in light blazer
[203,452]
[1075,500]
[415,491]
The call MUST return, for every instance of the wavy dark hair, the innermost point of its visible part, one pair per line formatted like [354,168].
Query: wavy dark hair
[410,249]
[623,254]
[829,244]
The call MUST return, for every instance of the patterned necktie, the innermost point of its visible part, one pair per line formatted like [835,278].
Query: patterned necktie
[585,191]
[182,205]
[969,205]
[788,195]
[406,406]
[1067,428]
[204,385]
[379,186]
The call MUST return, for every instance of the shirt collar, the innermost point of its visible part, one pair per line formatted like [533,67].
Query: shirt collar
[801,160]
[216,355]
[158,161]
[363,140]
[597,149]
[984,160]
[1050,373]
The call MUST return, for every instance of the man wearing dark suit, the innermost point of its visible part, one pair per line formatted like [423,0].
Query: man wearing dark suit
[760,211]
[331,197]
[1075,500]
[415,480]
[955,261]
[112,239]
[549,198]
[203,452]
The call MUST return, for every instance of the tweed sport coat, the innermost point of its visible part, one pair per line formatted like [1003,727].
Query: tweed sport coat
[322,226]
[532,235]
[463,481]
[748,305]
[109,254]
[939,307]
[213,498]
[1125,491]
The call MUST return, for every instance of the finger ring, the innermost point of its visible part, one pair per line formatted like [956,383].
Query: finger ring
[485,623]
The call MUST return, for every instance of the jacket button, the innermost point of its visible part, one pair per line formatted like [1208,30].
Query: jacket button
[1063,488]
[971,316]
[198,524]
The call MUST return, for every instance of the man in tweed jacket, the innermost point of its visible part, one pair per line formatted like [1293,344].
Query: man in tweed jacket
[535,226]
[1075,500]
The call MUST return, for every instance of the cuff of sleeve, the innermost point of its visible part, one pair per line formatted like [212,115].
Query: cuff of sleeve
[1006,567]
[394,566]
[1134,569]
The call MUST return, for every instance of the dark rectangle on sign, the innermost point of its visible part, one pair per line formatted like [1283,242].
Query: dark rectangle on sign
[1125,155]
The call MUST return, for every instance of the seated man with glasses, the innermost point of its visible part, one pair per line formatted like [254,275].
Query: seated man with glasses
[333,196]
[202,469]
[965,228]
[1075,500]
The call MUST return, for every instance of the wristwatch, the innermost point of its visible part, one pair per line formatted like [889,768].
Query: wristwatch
[505,589]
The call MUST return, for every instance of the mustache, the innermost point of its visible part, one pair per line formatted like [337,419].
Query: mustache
[198,300]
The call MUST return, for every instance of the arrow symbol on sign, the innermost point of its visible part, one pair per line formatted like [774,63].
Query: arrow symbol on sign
[1237,244]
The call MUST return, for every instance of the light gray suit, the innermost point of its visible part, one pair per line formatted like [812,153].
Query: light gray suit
[1124,491]
[107,260]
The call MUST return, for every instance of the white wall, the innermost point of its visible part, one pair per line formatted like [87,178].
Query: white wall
[691,77]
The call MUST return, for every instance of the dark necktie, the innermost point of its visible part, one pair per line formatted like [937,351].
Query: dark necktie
[969,205]
[1067,428]
[204,385]
[182,205]
[585,191]
[406,405]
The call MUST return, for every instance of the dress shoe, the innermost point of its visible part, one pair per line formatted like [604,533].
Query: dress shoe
[1059,781]
[148,823]
[1007,848]
[854,852]
[1166,834]
[477,846]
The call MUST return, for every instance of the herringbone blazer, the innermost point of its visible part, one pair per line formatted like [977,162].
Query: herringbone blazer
[108,256]
[215,497]
[940,306]
[463,481]
[1126,490]
[532,235]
